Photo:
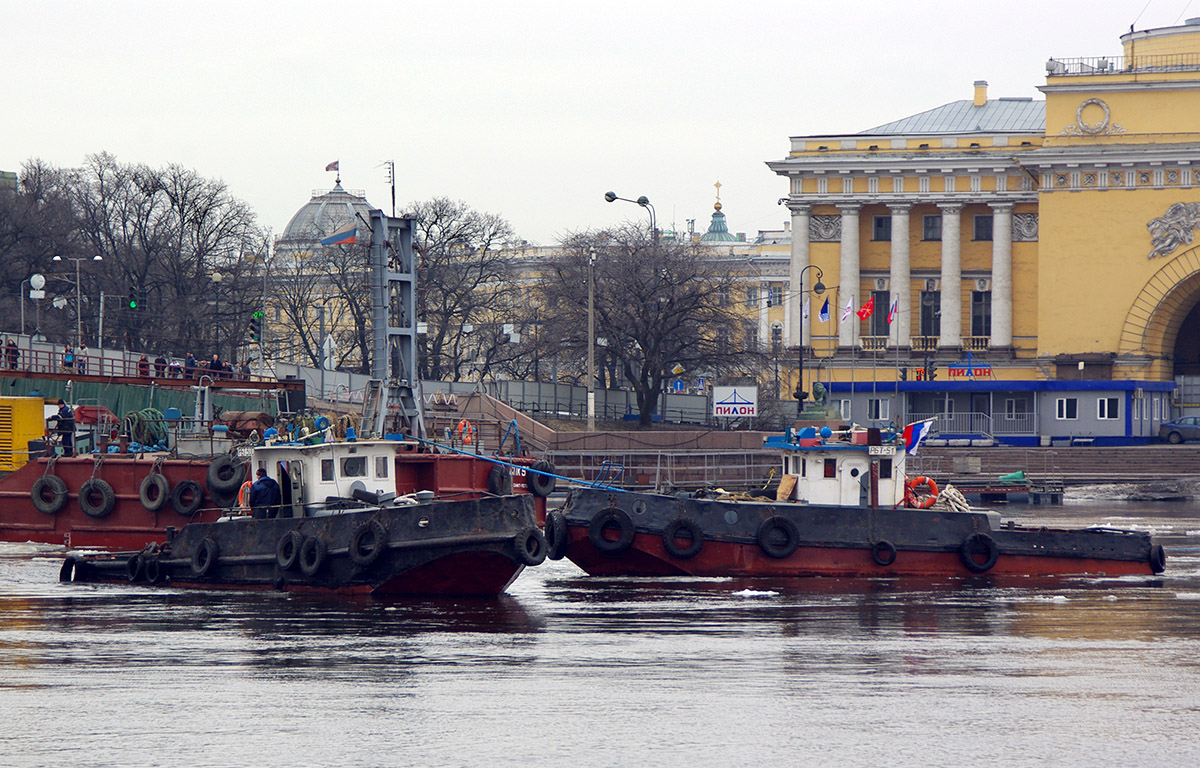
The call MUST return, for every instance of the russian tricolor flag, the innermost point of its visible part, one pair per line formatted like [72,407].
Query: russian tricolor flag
[345,237]
[916,432]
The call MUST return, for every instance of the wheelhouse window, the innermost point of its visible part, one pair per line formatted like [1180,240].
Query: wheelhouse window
[1066,408]
[881,228]
[931,227]
[354,466]
[381,466]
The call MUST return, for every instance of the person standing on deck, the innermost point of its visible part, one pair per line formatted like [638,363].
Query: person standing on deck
[265,496]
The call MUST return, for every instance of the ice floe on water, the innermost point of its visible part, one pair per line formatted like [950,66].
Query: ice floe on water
[756,593]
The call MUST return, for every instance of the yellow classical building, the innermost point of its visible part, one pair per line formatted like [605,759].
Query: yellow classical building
[1034,256]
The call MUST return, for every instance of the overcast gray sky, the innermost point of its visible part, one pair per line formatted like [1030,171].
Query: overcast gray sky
[531,110]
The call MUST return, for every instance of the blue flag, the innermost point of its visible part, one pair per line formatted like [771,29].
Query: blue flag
[824,312]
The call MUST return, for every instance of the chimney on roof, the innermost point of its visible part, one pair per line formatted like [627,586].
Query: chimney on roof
[980,92]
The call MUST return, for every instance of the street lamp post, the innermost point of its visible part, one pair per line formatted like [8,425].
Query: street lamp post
[645,203]
[591,371]
[801,393]
[78,306]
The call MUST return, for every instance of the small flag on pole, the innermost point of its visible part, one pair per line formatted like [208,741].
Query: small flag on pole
[849,308]
[344,237]
[914,433]
[824,312]
[866,309]
[806,306]
[892,311]
[332,166]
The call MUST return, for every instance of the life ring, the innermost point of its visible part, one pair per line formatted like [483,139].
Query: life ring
[690,529]
[368,543]
[465,431]
[312,556]
[499,481]
[603,520]
[288,549]
[1158,558]
[555,532]
[96,498]
[883,552]
[186,497]
[979,544]
[154,491]
[205,556]
[923,501]
[530,546]
[244,495]
[540,484]
[769,533]
[225,473]
[57,498]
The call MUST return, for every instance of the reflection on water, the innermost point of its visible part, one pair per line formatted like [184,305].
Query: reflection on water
[1082,671]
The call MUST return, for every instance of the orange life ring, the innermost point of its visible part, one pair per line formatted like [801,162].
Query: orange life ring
[923,501]
[466,432]
[244,495]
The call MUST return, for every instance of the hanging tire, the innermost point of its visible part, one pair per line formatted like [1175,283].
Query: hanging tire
[883,552]
[205,556]
[368,543]
[541,485]
[133,567]
[690,528]
[154,491]
[153,570]
[66,573]
[96,498]
[225,474]
[499,481]
[555,532]
[979,544]
[287,551]
[186,497]
[530,546]
[49,494]
[604,519]
[778,536]
[1158,558]
[312,556]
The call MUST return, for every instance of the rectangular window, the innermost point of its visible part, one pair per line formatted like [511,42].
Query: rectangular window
[878,319]
[931,227]
[1139,409]
[885,468]
[752,296]
[1157,408]
[327,469]
[983,227]
[830,467]
[844,410]
[1066,409]
[723,296]
[1016,406]
[981,313]
[381,466]
[877,409]
[776,339]
[354,466]
[752,336]
[775,296]
[931,313]
[881,228]
[1107,408]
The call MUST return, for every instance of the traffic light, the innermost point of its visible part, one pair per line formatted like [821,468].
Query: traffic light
[254,330]
[133,301]
[903,374]
[930,372]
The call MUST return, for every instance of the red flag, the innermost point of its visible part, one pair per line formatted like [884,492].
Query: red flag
[867,309]
[332,166]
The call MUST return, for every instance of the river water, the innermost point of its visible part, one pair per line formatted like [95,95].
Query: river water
[566,670]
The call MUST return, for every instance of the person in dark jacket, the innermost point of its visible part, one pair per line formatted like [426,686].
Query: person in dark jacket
[265,496]
[66,428]
[189,366]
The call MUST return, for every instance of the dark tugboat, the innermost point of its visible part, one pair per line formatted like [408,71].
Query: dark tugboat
[845,508]
[342,529]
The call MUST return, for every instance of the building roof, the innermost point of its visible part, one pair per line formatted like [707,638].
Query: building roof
[1006,115]
[718,231]
[326,213]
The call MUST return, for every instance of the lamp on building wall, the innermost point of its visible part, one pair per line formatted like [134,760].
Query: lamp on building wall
[819,288]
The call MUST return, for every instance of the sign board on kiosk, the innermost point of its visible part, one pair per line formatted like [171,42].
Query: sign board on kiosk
[735,402]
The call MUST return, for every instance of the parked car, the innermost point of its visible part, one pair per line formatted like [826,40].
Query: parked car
[1184,428]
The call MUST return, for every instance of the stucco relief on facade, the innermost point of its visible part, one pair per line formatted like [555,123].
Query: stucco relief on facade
[1101,124]
[1024,227]
[825,229]
[1173,229]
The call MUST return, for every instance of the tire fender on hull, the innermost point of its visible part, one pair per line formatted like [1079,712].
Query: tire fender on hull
[778,537]
[690,529]
[605,519]
[96,498]
[54,486]
[979,544]
[154,492]
[556,535]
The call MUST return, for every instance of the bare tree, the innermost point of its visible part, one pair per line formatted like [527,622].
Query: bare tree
[461,264]
[658,304]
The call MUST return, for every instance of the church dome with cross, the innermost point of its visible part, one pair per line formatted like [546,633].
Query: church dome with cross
[718,231]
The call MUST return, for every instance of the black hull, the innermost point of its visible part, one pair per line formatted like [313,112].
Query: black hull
[474,547]
[629,534]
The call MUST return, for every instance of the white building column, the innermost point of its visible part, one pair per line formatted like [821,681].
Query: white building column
[800,259]
[951,306]
[900,278]
[1002,296]
[848,277]
[764,325]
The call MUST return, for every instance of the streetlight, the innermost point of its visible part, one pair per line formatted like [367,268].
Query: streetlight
[645,203]
[78,307]
[800,394]
[217,277]
[591,373]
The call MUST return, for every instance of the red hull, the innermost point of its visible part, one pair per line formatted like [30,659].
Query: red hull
[648,557]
